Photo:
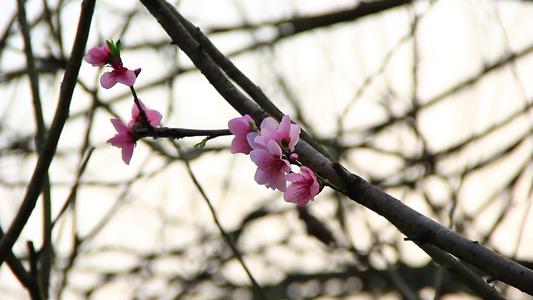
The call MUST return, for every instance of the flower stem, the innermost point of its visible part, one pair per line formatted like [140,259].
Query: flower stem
[144,118]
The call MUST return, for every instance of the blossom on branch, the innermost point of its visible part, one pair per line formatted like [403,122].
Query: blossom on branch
[154,117]
[271,167]
[241,128]
[119,74]
[99,56]
[271,148]
[109,54]
[126,139]
[285,133]
[304,187]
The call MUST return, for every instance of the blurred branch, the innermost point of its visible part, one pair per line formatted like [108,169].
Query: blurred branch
[50,144]
[460,272]
[43,272]
[238,77]
[257,288]
[509,58]
[29,281]
[202,60]
[422,229]
[74,190]
[300,24]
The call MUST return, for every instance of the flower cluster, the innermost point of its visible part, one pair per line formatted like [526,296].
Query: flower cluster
[109,54]
[125,137]
[271,148]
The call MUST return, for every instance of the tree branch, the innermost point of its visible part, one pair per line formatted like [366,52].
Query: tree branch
[415,225]
[422,229]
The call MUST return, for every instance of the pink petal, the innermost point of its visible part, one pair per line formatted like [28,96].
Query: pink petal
[98,56]
[294,136]
[250,137]
[271,180]
[294,177]
[269,122]
[240,127]
[274,148]
[284,126]
[285,133]
[240,145]
[154,117]
[127,152]
[303,189]
[271,168]
[108,80]
[119,126]
[123,139]
[125,76]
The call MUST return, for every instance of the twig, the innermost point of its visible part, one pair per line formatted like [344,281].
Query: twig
[142,113]
[223,232]
[179,133]
[23,275]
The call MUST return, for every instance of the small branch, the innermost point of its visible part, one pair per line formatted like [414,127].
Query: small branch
[179,133]
[29,281]
[255,285]
[461,272]
[144,118]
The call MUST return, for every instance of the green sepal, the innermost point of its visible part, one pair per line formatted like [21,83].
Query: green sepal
[202,143]
[252,126]
[115,48]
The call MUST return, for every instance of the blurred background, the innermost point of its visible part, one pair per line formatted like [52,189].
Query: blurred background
[429,100]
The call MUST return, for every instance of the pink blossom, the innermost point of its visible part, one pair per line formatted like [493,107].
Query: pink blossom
[109,54]
[241,127]
[304,187]
[271,168]
[119,74]
[124,139]
[285,133]
[154,117]
[99,56]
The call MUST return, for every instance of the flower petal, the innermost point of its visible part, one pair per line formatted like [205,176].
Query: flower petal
[304,187]
[124,139]
[125,76]
[154,117]
[271,168]
[240,127]
[98,56]
[108,80]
